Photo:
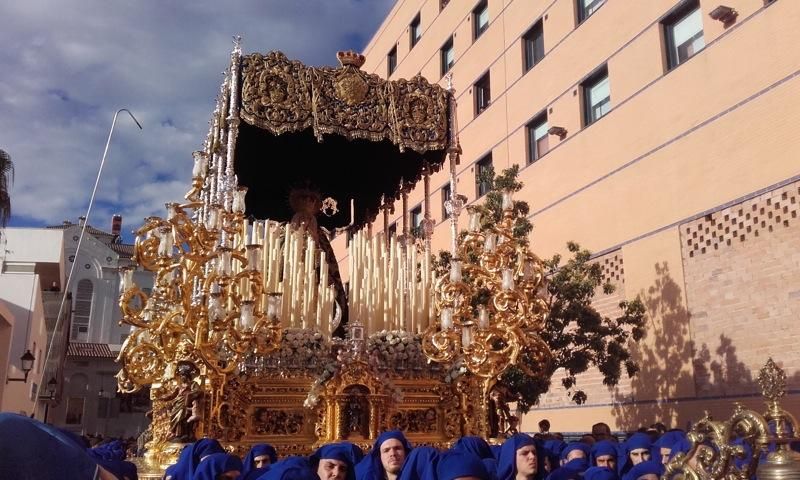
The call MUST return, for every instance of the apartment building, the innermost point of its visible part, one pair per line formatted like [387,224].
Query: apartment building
[661,135]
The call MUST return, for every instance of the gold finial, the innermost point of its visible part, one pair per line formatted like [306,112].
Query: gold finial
[772,380]
[350,58]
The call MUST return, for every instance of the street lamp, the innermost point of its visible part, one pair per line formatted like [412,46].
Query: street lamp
[27,360]
[51,393]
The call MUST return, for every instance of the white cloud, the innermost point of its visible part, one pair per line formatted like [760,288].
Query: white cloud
[68,65]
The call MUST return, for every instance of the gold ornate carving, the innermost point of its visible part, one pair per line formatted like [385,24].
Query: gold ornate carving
[772,380]
[418,420]
[716,445]
[421,118]
[283,96]
[276,93]
[268,421]
[351,88]
[350,58]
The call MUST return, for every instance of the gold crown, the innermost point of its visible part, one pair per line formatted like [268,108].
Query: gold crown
[350,57]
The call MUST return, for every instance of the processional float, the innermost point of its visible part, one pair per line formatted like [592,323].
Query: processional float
[249,334]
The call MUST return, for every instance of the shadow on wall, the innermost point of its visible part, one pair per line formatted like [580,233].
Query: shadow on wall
[674,372]
[662,356]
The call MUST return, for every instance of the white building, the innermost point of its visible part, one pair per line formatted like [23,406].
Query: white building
[91,404]
[31,271]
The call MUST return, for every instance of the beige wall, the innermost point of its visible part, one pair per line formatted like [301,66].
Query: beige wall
[718,129]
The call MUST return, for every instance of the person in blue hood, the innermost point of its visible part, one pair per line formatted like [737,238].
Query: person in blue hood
[335,461]
[520,459]
[604,454]
[662,448]
[573,451]
[572,470]
[600,473]
[218,466]
[111,456]
[260,455]
[637,450]
[460,465]
[386,458]
[479,447]
[552,453]
[420,464]
[190,459]
[646,470]
[475,445]
[291,468]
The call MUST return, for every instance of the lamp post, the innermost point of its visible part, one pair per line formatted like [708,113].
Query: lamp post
[27,360]
[51,392]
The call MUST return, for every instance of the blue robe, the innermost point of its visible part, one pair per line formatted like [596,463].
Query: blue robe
[190,457]
[456,464]
[600,473]
[420,464]
[32,450]
[216,464]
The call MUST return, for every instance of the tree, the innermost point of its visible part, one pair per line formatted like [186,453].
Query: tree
[578,336]
[6,173]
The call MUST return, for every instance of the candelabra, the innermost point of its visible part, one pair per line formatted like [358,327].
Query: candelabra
[208,304]
[718,447]
[490,308]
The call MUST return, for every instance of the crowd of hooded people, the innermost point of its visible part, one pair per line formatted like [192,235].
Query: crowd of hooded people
[544,456]
[34,450]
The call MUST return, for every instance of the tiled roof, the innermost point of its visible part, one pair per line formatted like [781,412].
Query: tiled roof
[93,350]
[89,229]
[123,249]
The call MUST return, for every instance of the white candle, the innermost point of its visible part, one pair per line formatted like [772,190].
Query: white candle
[446,318]
[508,279]
[508,200]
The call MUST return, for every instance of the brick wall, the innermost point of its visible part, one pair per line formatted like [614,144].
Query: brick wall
[742,279]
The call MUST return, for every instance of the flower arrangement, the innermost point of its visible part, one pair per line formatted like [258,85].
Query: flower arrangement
[396,350]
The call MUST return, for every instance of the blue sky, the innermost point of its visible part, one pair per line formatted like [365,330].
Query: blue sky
[68,65]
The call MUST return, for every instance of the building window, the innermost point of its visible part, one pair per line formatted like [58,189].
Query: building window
[82,311]
[683,32]
[480,19]
[483,94]
[537,138]
[448,56]
[393,229]
[533,45]
[483,175]
[415,31]
[391,61]
[596,96]
[74,414]
[588,7]
[416,221]
[447,194]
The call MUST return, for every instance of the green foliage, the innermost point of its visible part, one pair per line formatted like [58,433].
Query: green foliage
[492,208]
[578,336]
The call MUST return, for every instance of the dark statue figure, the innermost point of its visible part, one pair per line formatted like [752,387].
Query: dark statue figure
[355,416]
[306,204]
[186,408]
